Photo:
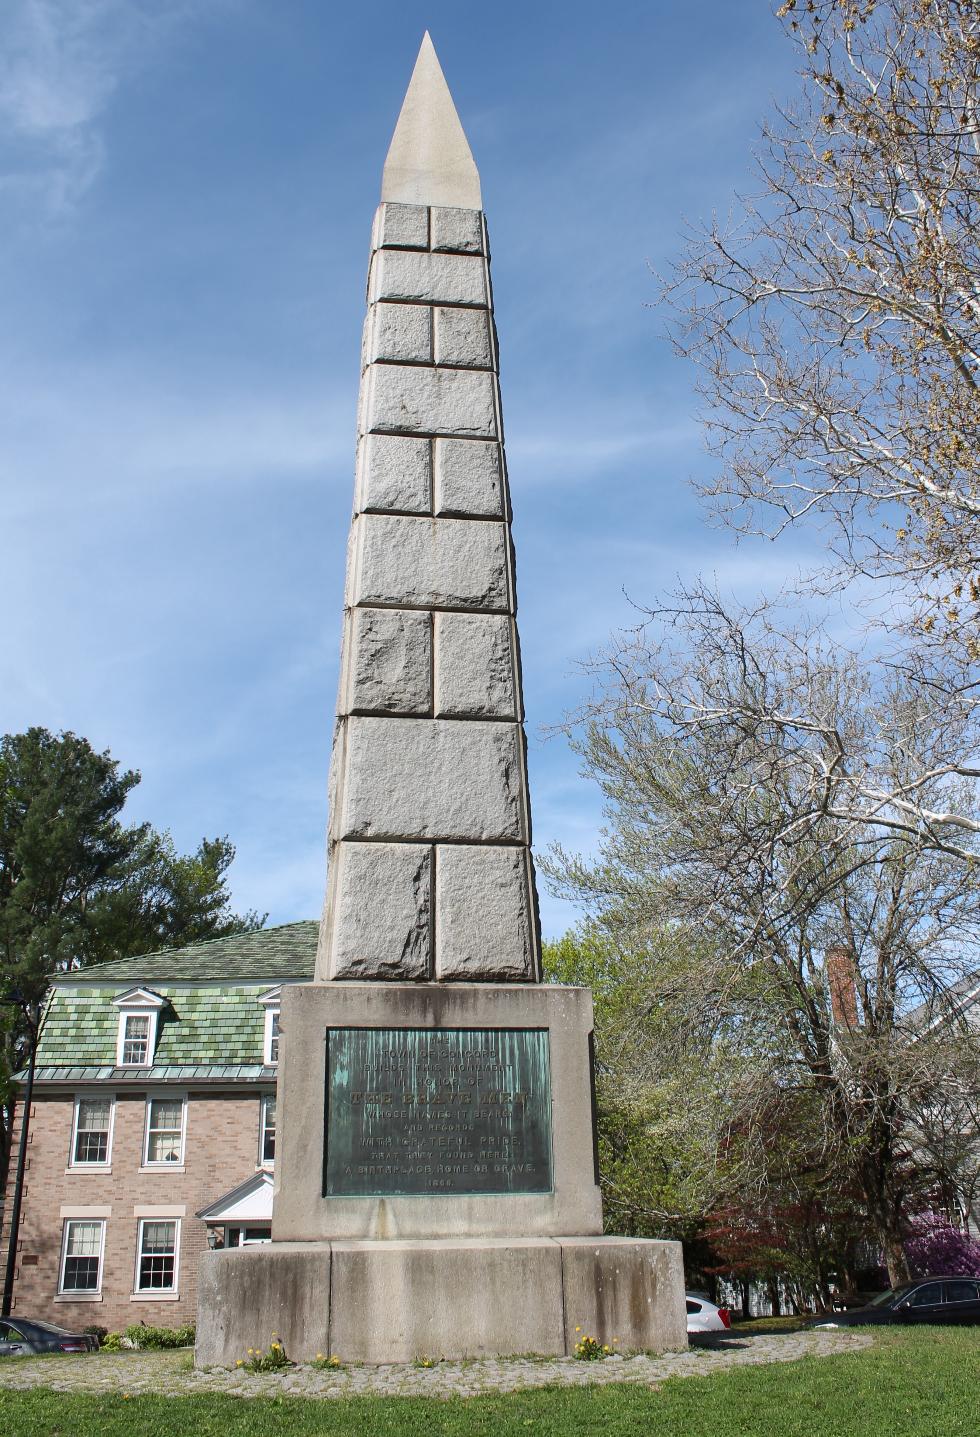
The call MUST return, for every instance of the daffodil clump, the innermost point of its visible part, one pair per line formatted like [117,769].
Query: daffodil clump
[255,1360]
[590,1349]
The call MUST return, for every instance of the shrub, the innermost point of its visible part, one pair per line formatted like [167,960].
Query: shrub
[938,1248]
[157,1339]
[100,1332]
[114,1342]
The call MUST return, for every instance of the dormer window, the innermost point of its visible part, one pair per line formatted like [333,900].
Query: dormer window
[271,1057]
[270,1045]
[136,1039]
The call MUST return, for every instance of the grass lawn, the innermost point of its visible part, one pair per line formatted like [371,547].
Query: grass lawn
[921,1383]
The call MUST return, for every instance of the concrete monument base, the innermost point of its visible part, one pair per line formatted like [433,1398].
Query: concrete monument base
[571,1204]
[452,1298]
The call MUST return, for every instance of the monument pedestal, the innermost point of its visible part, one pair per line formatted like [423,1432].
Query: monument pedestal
[436,1187]
[424,1110]
[449,1298]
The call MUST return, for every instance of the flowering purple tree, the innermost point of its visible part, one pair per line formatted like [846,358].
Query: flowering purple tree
[937,1247]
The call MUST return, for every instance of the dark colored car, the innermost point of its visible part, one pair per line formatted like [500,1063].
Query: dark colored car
[20,1338]
[930,1299]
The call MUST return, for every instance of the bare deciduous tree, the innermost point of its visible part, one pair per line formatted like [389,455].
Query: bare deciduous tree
[836,321]
[749,779]
[836,326]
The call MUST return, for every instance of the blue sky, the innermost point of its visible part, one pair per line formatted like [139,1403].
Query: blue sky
[186,195]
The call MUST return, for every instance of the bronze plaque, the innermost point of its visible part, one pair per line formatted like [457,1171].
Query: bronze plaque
[422,1111]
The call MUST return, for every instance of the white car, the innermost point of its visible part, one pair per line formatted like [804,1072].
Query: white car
[704,1316]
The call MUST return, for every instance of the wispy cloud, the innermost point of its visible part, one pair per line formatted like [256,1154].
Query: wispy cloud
[60,64]
[80,437]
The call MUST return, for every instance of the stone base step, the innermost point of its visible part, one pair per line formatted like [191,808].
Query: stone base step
[379,1302]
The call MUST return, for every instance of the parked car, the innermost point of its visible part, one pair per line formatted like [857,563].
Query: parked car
[929,1299]
[20,1338]
[704,1316]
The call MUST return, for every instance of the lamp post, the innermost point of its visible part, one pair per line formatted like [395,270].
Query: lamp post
[31,1015]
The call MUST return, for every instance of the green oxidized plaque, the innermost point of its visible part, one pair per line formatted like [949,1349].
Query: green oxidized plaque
[422,1111]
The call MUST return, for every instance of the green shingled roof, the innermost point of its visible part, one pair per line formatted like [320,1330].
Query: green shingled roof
[217,1021]
[268,955]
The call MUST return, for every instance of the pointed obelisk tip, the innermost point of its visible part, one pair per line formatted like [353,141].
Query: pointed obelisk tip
[429,160]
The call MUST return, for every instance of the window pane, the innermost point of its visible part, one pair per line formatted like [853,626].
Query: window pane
[163,1139]
[92,1131]
[82,1244]
[83,1239]
[91,1147]
[274,1038]
[165,1112]
[962,1291]
[136,1039]
[158,1254]
[268,1130]
[93,1112]
[926,1296]
[163,1148]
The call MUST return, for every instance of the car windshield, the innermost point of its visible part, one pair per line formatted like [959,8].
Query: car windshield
[47,1327]
[884,1298]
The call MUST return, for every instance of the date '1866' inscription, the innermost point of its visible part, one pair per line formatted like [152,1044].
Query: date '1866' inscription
[437,1110]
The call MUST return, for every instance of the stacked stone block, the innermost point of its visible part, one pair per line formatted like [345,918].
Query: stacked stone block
[430,871]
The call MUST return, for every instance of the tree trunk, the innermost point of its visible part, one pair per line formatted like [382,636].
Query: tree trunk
[883,1193]
[893,1250]
[772,1284]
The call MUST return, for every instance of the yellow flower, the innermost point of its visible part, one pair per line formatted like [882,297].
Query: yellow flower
[240,1363]
[578,1329]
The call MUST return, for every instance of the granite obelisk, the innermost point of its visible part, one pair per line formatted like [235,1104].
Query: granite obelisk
[437,1186]
[430,874]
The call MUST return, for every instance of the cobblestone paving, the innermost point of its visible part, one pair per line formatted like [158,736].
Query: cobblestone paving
[172,1373]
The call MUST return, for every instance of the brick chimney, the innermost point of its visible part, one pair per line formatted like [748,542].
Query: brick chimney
[839,964]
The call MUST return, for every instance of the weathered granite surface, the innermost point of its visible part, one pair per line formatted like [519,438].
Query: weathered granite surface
[395,1301]
[384,911]
[390,661]
[410,562]
[429,750]
[443,780]
[486,922]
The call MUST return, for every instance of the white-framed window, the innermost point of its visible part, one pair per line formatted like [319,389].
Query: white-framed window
[91,1133]
[271,1055]
[136,1040]
[267,1131]
[82,1246]
[164,1142]
[157,1254]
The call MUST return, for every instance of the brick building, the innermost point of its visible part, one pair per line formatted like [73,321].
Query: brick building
[152,1127]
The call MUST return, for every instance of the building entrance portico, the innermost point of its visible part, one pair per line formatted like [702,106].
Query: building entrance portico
[243,1216]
